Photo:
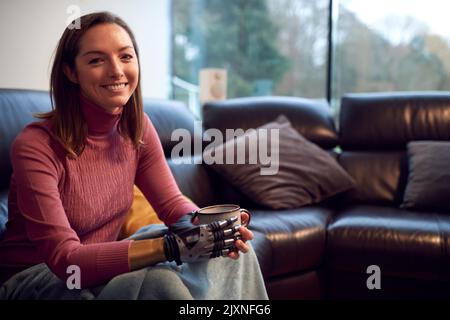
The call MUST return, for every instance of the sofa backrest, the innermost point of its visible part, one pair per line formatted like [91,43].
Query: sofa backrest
[16,111]
[17,108]
[313,119]
[374,130]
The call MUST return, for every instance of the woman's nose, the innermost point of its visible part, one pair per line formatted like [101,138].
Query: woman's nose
[115,70]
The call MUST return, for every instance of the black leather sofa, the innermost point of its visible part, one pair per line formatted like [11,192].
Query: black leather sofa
[321,251]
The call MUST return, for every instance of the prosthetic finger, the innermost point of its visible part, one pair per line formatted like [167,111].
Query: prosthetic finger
[229,246]
[232,231]
[227,233]
[215,249]
[222,224]
[228,243]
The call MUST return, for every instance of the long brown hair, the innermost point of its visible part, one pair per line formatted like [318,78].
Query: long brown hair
[66,117]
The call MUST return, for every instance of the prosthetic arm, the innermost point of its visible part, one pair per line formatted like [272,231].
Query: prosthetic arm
[187,242]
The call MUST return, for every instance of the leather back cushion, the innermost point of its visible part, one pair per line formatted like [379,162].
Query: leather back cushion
[17,108]
[169,115]
[310,118]
[383,121]
[380,176]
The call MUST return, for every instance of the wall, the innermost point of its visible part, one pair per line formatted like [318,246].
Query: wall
[29,32]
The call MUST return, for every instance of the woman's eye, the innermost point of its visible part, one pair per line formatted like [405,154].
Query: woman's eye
[95,61]
[127,57]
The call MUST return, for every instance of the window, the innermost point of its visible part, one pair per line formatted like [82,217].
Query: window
[281,47]
[390,45]
[268,47]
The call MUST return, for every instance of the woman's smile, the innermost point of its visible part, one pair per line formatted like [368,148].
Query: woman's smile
[116,87]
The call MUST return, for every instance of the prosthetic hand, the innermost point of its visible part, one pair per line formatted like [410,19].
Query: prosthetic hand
[186,242]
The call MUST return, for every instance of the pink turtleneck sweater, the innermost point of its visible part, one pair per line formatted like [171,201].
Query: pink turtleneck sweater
[69,212]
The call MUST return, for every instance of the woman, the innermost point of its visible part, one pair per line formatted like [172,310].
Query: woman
[72,185]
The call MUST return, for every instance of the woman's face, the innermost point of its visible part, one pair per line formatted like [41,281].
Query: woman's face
[106,67]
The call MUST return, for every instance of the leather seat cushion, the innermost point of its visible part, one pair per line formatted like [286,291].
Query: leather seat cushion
[290,240]
[402,243]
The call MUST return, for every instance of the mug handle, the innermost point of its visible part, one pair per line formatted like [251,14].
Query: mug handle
[249,217]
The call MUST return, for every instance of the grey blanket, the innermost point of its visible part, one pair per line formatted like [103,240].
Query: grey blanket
[215,279]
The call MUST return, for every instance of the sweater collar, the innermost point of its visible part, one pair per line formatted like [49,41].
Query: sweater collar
[99,121]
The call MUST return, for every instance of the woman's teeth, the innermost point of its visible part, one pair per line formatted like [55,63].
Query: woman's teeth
[115,87]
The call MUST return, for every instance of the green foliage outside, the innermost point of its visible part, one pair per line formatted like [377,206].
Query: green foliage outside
[237,35]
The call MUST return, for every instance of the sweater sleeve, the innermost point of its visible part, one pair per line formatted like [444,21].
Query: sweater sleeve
[36,170]
[156,181]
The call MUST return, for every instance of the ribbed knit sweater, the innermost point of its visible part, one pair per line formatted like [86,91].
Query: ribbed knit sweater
[66,211]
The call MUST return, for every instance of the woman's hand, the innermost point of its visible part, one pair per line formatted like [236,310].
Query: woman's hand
[246,235]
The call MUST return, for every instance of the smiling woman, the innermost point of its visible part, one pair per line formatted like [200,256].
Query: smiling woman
[72,187]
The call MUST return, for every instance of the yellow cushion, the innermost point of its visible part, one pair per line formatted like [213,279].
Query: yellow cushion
[140,214]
